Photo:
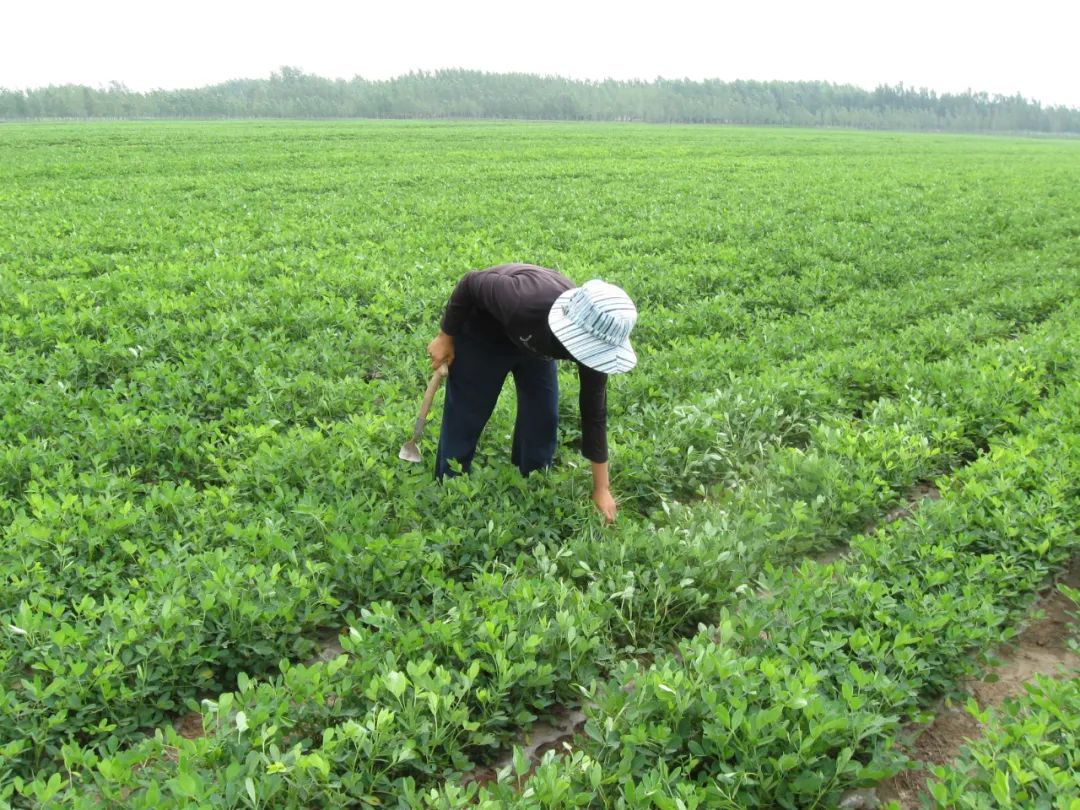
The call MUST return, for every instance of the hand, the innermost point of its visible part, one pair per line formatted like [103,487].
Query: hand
[606,504]
[441,351]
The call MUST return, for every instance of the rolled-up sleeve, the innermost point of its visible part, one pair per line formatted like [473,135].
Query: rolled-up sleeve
[593,402]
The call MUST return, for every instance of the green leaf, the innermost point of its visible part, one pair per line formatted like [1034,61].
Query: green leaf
[185,785]
[396,683]
[999,787]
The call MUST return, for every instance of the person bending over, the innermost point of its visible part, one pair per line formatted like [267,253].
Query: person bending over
[519,319]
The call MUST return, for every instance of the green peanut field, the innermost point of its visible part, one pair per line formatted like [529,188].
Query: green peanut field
[212,345]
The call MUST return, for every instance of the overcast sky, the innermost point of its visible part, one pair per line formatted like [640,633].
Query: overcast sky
[1028,47]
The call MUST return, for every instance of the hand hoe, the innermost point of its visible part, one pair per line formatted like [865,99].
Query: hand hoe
[409,451]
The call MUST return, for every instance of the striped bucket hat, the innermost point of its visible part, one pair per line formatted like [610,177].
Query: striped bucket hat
[593,322]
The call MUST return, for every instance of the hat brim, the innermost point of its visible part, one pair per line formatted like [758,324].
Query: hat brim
[609,358]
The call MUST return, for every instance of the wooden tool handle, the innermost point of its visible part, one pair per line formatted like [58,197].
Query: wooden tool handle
[429,395]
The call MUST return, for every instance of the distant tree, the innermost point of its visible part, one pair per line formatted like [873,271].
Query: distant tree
[291,93]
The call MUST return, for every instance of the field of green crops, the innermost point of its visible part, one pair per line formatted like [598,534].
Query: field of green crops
[212,344]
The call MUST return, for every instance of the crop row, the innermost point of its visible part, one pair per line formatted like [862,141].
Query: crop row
[193,617]
[798,696]
[435,683]
[120,630]
[138,449]
[119,442]
[832,381]
[129,405]
[191,312]
[1028,754]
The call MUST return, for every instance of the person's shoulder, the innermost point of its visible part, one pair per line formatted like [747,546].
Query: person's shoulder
[547,276]
[503,272]
[519,268]
[528,277]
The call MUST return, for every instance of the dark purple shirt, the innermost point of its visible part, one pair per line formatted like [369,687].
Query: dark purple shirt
[519,297]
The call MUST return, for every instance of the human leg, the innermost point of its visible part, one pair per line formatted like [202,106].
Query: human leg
[476,377]
[537,424]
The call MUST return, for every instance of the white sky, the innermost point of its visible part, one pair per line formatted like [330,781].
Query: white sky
[998,47]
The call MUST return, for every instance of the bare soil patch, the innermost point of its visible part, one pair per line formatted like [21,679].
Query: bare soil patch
[189,726]
[922,491]
[557,733]
[329,645]
[1041,648]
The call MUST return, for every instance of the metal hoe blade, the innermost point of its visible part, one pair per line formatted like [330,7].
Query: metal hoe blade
[410,452]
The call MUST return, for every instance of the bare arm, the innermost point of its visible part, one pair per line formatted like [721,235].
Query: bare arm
[602,491]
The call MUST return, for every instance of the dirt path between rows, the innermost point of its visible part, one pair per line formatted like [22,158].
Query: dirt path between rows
[557,733]
[1041,648]
[913,500]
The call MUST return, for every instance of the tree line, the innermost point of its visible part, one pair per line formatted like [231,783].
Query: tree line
[291,93]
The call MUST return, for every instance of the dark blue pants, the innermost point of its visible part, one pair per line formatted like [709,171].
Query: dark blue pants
[483,356]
